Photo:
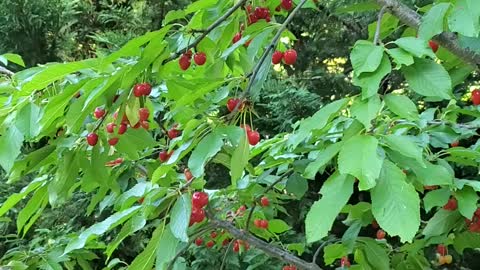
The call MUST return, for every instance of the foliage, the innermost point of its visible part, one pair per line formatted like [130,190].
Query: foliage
[361,165]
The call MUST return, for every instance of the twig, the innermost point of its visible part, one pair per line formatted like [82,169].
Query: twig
[225,256]
[376,39]
[206,32]
[269,249]
[317,252]
[6,71]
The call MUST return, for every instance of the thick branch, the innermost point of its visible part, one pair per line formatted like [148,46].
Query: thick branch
[6,71]
[269,249]
[447,40]
[207,31]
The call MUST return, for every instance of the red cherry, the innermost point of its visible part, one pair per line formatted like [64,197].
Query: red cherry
[381,234]
[210,244]
[455,144]
[451,205]
[92,139]
[253,137]
[189,53]
[252,18]
[122,129]
[138,90]
[264,201]
[476,97]
[246,127]
[188,174]
[163,156]
[137,125]
[173,133]
[474,227]
[344,262]
[433,45]
[143,113]
[236,247]
[145,125]
[264,224]
[199,199]
[442,250]
[249,8]
[125,120]
[113,141]
[197,215]
[99,112]
[184,62]
[226,242]
[198,241]
[200,58]
[257,222]
[290,57]
[268,19]
[277,57]
[118,160]
[237,37]
[287,4]
[110,127]
[213,234]
[146,89]
[261,12]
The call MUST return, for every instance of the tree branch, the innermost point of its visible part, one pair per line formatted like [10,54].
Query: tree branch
[376,39]
[207,31]
[6,71]
[269,249]
[447,40]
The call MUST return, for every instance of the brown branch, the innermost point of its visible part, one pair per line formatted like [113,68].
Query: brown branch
[269,249]
[315,256]
[6,71]
[376,39]
[206,32]
[447,40]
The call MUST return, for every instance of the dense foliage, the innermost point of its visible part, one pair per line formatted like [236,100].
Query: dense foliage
[182,151]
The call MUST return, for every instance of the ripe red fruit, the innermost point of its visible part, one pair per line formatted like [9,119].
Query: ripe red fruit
[143,113]
[237,37]
[433,45]
[246,127]
[476,97]
[199,199]
[256,222]
[277,57]
[264,224]
[451,205]
[474,227]
[442,250]
[118,160]
[290,57]
[344,262]
[253,137]
[92,139]
[122,129]
[198,241]
[110,127]
[264,201]
[99,113]
[163,156]
[146,89]
[226,242]
[197,215]
[287,4]
[184,62]
[173,133]
[236,247]
[261,12]
[232,103]
[381,234]
[200,58]
[145,125]
[252,18]
[188,174]
[113,141]
[455,144]
[138,90]
[210,244]
[213,234]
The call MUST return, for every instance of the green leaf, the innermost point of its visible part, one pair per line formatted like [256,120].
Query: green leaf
[465,18]
[322,159]
[135,141]
[467,201]
[365,57]
[14,58]
[239,159]
[206,149]
[432,174]
[432,22]
[416,46]
[466,240]
[428,78]
[101,228]
[375,254]
[351,234]
[400,57]
[405,146]
[278,226]
[366,110]
[166,249]
[297,185]
[442,222]
[370,81]
[438,197]
[10,144]
[394,201]
[402,106]
[145,260]
[336,192]
[359,158]
[27,121]
[333,252]
[17,197]
[173,15]
[318,121]
[34,205]
[180,217]
[133,225]
[199,5]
